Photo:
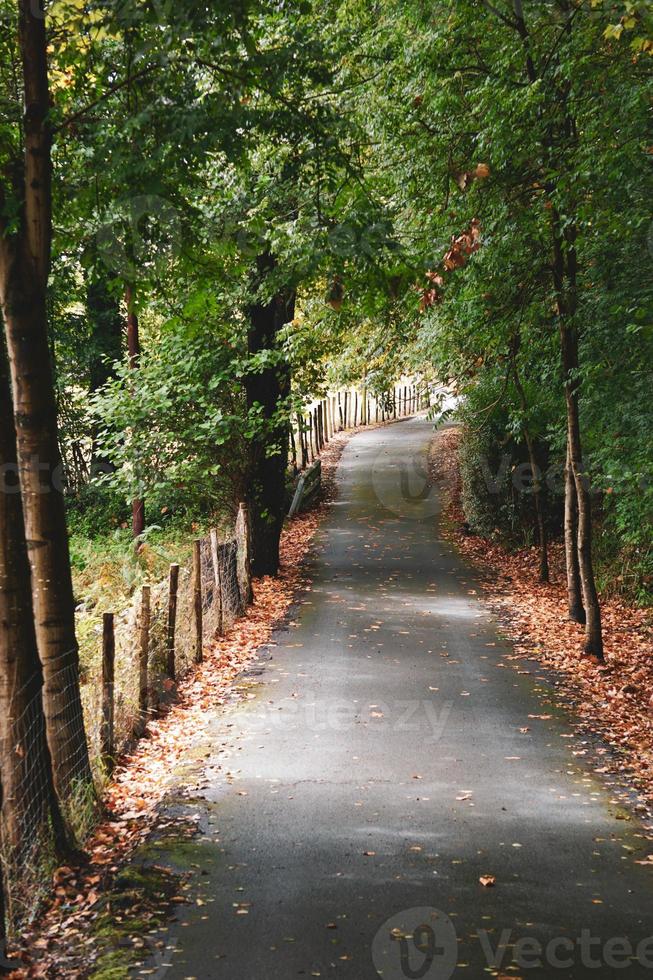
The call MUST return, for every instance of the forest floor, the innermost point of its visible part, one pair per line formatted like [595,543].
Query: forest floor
[614,700]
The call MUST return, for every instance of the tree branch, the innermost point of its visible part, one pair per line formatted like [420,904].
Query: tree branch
[110,91]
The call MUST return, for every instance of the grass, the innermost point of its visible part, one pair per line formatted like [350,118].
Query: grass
[137,905]
[108,572]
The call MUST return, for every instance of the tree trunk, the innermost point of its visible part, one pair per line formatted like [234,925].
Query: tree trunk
[266,391]
[31,819]
[540,517]
[574,592]
[134,354]
[593,629]
[3,929]
[24,265]
[105,349]
[564,280]
[537,485]
[564,277]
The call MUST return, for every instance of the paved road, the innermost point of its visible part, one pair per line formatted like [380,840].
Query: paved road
[386,758]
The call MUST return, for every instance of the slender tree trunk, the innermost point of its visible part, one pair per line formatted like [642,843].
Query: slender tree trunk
[31,819]
[540,517]
[593,629]
[134,354]
[106,331]
[267,390]
[564,279]
[574,591]
[24,265]
[3,914]
[564,276]
[537,484]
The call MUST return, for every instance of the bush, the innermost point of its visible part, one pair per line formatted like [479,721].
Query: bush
[496,501]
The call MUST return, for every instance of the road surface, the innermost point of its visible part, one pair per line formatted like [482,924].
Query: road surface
[385,759]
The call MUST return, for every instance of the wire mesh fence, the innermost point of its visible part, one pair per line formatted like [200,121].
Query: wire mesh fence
[145,652]
[169,625]
[31,810]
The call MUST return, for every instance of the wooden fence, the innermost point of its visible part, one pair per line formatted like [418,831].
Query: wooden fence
[147,650]
[348,409]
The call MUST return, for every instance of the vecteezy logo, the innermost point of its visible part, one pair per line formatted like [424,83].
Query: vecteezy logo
[416,944]
[403,487]
[140,235]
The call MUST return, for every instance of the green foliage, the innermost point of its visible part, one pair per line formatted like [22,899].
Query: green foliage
[174,429]
[96,509]
[468,114]
[496,478]
[351,142]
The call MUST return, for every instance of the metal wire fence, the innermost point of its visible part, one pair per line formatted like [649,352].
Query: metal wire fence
[121,689]
[197,603]
[28,789]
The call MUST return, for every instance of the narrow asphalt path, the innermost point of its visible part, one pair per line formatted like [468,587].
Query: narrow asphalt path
[385,758]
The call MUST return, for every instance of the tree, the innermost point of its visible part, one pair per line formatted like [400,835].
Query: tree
[538,495]
[493,111]
[268,389]
[134,354]
[31,825]
[105,342]
[25,245]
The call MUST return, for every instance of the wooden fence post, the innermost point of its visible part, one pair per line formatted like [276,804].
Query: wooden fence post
[172,620]
[218,575]
[244,555]
[302,440]
[197,601]
[107,740]
[143,658]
